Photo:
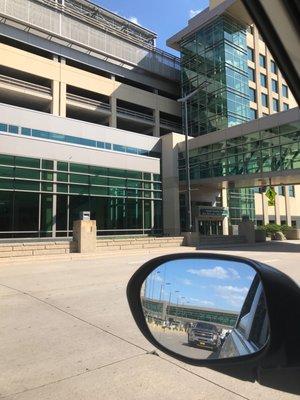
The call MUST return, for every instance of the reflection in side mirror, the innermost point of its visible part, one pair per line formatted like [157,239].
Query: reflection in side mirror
[206,308]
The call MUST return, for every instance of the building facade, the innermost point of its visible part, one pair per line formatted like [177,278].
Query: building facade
[89,121]
[225,58]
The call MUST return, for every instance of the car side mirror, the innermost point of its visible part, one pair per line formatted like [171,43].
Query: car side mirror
[218,311]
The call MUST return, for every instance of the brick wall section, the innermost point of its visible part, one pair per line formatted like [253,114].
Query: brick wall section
[107,245]
[29,249]
[36,249]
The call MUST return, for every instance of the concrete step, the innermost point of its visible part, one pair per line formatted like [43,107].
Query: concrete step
[221,239]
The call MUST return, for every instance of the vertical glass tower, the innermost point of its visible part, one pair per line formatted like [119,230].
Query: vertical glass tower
[215,57]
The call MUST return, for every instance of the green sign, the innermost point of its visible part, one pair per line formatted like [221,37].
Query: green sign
[271,194]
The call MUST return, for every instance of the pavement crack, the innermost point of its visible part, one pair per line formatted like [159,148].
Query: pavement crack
[76,317]
[206,379]
[87,371]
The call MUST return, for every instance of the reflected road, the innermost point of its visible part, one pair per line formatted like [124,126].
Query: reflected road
[177,341]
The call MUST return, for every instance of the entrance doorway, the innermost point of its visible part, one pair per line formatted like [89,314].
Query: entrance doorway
[208,228]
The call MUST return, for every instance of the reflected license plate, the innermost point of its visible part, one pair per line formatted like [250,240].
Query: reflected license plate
[202,343]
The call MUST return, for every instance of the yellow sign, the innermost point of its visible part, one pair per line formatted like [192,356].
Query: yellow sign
[271,194]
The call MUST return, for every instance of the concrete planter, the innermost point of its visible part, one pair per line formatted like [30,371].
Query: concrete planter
[260,235]
[293,234]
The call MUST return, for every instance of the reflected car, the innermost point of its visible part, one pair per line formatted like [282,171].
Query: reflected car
[203,334]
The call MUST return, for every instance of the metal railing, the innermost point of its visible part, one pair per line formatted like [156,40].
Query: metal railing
[90,102]
[135,114]
[172,124]
[25,84]
[74,28]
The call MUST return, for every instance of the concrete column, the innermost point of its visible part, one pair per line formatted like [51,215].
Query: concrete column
[55,93]
[265,209]
[62,93]
[170,184]
[287,207]
[226,219]
[54,201]
[277,210]
[113,108]
[85,234]
[156,114]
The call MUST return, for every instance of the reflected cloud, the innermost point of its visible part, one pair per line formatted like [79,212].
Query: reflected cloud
[216,273]
[234,295]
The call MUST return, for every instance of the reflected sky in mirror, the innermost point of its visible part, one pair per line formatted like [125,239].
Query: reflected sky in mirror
[203,283]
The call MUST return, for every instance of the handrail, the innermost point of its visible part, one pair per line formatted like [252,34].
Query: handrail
[25,84]
[137,114]
[86,100]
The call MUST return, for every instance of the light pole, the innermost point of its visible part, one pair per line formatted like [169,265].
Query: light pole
[185,100]
[161,288]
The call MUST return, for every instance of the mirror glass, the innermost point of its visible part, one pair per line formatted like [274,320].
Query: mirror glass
[206,308]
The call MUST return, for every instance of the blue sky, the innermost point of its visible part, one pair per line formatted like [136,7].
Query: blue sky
[165,17]
[203,283]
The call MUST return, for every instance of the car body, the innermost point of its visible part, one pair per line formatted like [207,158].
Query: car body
[205,335]
[251,330]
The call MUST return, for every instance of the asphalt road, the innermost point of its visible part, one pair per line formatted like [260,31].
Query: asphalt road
[177,341]
[67,333]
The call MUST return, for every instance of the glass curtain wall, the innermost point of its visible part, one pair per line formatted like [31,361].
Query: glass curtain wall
[43,198]
[216,57]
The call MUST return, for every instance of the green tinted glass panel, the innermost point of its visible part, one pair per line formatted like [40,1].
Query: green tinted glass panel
[62,188]
[117,182]
[147,176]
[79,178]
[98,170]
[79,189]
[100,191]
[134,184]
[47,187]
[134,174]
[84,169]
[62,177]
[98,180]
[7,160]
[156,177]
[6,184]
[27,162]
[47,176]
[62,166]
[7,171]
[27,173]
[27,185]
[47,164]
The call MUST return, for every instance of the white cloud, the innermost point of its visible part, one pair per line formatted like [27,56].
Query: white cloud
[234,273]
[193,13]
[233,295]
[134,20]
[216,272]
[186,282]
[156,278]
[202,302]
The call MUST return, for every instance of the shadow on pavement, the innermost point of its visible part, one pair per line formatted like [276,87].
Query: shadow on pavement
[272,247]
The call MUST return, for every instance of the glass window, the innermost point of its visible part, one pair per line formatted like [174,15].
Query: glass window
[273,67]
[251,74]
[6,211]
[40,134]
[250,54]
[26,212]
[47,164]
[281,190]
[253,113]
[13,129]
[274,85]
[252,94]
[285,91]
[3,127]
[264,99]
[285,106]
[26,131]
[263,80]
[292,191]
[27,162]
[275,105]
[262,60]
[118,147]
